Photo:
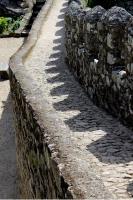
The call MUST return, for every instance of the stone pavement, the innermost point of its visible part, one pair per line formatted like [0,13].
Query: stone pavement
[8,173]
[102,139]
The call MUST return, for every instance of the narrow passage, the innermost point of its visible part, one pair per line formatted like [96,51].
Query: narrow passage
[8,172]
[105,143]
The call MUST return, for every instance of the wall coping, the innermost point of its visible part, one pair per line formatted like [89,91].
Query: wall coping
[79,4]
[46,120]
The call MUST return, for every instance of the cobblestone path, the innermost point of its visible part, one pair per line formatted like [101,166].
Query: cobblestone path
[8,174]
[106,143]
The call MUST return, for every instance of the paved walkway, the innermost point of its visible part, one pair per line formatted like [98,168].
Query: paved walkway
[8,175]
[106,143]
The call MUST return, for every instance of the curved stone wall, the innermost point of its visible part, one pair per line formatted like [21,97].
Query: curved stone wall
[40,170]
[99,48]
[50,166]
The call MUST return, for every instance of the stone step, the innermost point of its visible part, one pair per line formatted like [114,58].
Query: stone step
[4,67]
[4,70]
[25,33]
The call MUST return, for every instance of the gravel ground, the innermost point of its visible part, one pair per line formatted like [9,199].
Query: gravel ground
[8,172]
[101,138]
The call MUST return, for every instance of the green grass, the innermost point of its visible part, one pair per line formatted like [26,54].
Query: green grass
[9,25]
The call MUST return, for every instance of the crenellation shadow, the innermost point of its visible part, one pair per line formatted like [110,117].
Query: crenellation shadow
[57,41]
[55,55]
[54,80]
[115,145]
[61,16]
[57,47]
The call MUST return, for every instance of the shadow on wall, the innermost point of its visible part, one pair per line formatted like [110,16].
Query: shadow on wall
[114,147]
[130,189]
[8,172]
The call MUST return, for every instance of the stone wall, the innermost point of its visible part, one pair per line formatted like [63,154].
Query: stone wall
[40,175]
[99,48]
[39,166]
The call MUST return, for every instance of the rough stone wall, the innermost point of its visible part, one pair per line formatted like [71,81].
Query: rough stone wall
[40,176]
[99,48]
[39,167]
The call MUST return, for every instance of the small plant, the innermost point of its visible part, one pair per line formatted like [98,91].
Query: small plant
[3,24]
[15,24]
[8,24]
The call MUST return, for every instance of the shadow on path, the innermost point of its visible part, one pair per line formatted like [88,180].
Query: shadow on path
[111,141]
[8,172]
[90,117]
